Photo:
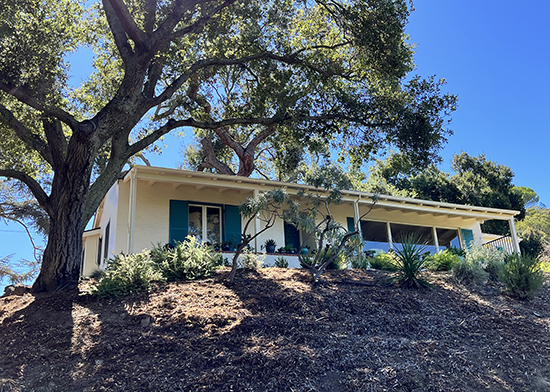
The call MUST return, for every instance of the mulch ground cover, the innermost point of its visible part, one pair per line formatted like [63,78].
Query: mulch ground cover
[273,331]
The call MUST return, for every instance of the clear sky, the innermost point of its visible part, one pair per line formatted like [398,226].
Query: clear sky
[494,54]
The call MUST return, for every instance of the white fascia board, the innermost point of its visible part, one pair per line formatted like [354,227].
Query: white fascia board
[225,181]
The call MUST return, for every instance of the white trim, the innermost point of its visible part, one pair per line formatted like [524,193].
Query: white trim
[514,235]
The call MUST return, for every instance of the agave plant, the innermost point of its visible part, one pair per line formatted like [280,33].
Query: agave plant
[409,262]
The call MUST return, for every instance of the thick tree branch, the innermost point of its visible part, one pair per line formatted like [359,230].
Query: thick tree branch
[150,10]
[165,30]
[128,23]
[33,185]
[212,161]
[23,95]
[205,63]
[56,141]
[25,134]
[199,24]
[119,33]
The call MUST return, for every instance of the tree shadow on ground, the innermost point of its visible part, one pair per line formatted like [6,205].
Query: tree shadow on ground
[273,331]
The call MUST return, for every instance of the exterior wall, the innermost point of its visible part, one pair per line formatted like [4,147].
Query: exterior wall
[153,208]
[152,211]
[89,249]
[109,216]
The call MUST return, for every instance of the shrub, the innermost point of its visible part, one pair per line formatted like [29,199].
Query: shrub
[468,272]
[384,261]
[361,261]
[483,256]
[410,263]
[281,262]
[532,245]
[189,260]
[522,275]
[126,275]
[442,261]
[251,260]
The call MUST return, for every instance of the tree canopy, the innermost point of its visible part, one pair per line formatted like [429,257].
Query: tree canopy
[328,71]
[476,181]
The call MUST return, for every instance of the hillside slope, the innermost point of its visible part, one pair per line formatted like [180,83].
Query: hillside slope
[273,332]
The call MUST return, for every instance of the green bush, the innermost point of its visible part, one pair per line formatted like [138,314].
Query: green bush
[126,275]
[469,272]
[361,261]
[189,260]
[410,263]
[250,260]
[281,262]
[522,276]
[531,245]
[442,261]
[384,261]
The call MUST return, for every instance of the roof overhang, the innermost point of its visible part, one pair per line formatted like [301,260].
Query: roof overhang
[201,180]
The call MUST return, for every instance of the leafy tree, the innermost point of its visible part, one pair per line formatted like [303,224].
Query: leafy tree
[476,181]
[333,69]
[311,214]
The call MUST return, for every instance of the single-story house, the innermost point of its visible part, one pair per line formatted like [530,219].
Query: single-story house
[153,205]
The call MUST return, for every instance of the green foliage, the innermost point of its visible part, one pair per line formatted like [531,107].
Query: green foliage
[281,262]
[361,261]
[476,181]
[410,263]
[537,222]
[442,261]
[531,244]
[251,260]
[469,272]
[127,275]
[522,276]
[384,261]
[189,260]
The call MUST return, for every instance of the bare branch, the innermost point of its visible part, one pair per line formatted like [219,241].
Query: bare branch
[33,185]
[30,139]
[23,95]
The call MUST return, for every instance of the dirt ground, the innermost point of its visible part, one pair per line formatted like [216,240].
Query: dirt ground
[273,331]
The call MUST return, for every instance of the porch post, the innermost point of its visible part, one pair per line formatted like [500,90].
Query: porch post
[390,239]
[131,211]
[514,235]
[436,240]
[257,227]
[356,216]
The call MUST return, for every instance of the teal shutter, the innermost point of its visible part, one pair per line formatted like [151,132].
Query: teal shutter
[351,224]
[179,220]
[468,237]
[292,236]
[232,225]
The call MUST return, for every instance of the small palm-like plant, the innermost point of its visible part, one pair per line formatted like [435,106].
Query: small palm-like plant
[410,263]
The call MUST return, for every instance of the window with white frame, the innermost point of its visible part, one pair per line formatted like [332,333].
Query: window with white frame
[205,223]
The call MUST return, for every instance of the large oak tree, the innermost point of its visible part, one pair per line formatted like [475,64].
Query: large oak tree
[334,70]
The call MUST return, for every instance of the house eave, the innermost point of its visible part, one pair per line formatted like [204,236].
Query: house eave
[176,176]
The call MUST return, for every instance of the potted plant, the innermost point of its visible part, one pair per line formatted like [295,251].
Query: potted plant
[305,250]
[226,246]
[270,245]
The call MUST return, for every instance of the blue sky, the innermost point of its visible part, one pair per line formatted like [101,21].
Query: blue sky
[495,55]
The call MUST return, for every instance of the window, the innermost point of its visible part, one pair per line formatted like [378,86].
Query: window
[210,223]
[205,223]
